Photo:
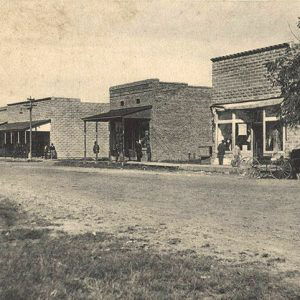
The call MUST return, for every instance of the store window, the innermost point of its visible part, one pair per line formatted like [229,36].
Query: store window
[224,115]
[225,133]
[272,111]
[243,136]
[274,136]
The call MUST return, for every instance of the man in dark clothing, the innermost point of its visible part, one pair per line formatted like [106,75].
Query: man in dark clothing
[53,154]
[138,150]
[96,149]
[221,152]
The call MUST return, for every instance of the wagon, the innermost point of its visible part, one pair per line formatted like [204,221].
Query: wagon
[276,167]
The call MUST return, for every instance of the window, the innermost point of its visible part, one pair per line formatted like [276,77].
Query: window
[243,136]
[272,111]
[224,115]
[138,101]
[122,103]
[274,136]
[225,133]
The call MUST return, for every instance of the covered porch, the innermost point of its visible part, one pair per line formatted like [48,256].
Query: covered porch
[15,138]
[253,126]
[127,127]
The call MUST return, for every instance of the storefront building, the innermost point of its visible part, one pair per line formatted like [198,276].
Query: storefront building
[245,106]
[171,121]
[54,120]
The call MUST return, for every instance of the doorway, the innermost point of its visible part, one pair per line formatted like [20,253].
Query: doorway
[258,140]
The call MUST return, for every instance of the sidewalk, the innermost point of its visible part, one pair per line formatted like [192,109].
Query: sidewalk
[128,165]
[187,167]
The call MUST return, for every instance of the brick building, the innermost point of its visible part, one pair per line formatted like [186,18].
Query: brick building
[176,115]
[245,105]
[55,120]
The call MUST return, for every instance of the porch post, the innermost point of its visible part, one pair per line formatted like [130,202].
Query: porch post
[5,138]
[264,130]
[18,137]
[84,140]
[123,139]
[96,139]
[11,138]
[25,137]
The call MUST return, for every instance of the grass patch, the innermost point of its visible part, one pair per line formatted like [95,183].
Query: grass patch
[35,264]
[97,266]
[9,213]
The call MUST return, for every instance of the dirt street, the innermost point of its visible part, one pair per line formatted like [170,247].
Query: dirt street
[225,216]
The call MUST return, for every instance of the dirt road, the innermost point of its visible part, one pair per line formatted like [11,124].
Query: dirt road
[225,216]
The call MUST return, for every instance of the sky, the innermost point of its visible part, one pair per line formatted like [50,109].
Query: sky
[75,48]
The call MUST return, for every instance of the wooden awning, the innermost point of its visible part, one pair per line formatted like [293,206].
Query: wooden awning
[248,104]
[21,126]
[140,112]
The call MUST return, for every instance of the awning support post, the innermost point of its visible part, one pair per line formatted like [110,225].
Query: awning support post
[84,139]
[96,140]
[18,137]
[123,141]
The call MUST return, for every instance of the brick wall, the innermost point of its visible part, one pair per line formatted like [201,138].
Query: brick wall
[3,115]
[66,124]
[242,76]
[181,122]
[180,117]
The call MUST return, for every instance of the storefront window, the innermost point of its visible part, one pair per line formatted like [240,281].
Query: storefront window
[245,115]
[274,136]
[272,111]
[224,115]
[243,136]
[225,133]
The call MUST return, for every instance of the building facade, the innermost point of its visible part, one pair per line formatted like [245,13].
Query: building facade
[246,104]
[175,116]
[54,120]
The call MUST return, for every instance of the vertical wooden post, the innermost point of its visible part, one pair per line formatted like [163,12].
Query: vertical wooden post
[5,138]
[84,139]
[11,137]
[96,139]
[18,137]
[123,140]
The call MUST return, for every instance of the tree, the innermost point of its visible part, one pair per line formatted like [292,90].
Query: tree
[285,73]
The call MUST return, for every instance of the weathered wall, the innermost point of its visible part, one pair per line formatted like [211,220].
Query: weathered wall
[242,76]
[3,115]
[181,123]
[180,117]
[66,124]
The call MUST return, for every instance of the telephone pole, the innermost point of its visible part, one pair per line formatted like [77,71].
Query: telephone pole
[30,106]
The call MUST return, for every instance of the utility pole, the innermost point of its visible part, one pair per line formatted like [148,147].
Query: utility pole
[30,106]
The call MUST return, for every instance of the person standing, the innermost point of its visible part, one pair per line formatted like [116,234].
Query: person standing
[52,151]
[46,151]
[138,150]
[221,152]
[146,142]
[96,149]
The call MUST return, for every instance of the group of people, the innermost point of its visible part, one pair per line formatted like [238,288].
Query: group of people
[50,152]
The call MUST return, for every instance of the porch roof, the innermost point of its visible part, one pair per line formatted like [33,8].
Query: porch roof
[120,113]
[248,104]
[22,126]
